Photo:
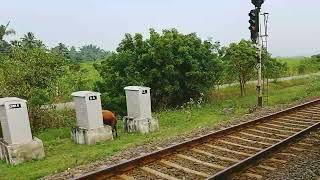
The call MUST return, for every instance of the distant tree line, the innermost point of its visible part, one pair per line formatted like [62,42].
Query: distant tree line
[317,56]
[85,53]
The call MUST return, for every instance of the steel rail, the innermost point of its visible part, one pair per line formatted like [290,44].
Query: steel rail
[123,167]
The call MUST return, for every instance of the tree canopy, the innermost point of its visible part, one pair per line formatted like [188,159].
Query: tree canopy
[176,66]
[240,60]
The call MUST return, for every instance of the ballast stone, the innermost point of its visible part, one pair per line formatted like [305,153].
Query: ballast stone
[15,154]
[91,136]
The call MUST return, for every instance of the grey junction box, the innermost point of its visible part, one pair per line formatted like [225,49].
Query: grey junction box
[138,101]
[90,128]
[15,121]
[139,117]
[17,145]
[88,109]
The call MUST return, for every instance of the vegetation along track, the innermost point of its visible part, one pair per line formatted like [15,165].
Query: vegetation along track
[220,154]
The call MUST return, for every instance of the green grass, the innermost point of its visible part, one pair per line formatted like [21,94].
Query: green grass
[92,73]
[62,153]
[293,64]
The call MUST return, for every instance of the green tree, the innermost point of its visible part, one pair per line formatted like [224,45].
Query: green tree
[62,50]
[29,41]
[30,74]
[309,65]
[272,68]
[317,56]
[91,53]
[176,66]
[74,54]
[240,61]
[5,31]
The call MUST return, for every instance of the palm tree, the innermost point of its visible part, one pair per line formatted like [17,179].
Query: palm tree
[30,41]
[5,31]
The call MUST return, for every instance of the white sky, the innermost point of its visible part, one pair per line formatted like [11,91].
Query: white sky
[294,25]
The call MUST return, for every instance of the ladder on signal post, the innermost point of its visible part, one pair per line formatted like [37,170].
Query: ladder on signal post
[264,43]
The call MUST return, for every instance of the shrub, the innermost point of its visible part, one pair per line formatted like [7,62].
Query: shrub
[309,65]
[41,119]
[27,73]
[177,67]
[31,74]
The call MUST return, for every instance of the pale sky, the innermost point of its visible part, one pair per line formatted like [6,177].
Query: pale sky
[294,24]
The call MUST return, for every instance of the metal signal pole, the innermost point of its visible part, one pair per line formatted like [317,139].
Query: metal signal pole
[264,44]
[255,37]
[259,64]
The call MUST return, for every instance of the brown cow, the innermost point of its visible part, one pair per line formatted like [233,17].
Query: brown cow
[110,119]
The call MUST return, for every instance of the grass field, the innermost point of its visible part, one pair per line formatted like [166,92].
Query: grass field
[293,64]
[92,73]
[62,153]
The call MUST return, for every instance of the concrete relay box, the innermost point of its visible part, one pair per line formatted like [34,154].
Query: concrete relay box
[15,121]
[138,102]
[139,118]
[88,109]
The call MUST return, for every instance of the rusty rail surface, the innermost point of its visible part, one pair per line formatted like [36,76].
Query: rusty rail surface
[129,165]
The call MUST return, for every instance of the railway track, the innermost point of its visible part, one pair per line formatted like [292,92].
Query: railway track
[220,154]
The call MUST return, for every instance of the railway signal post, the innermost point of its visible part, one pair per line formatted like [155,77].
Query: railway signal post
[254,30]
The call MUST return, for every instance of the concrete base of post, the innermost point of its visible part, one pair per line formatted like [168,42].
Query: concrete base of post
[92,136]
[19,153]
[143,126]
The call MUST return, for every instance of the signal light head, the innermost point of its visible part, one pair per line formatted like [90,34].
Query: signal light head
[251,21]
[257,3]
[254,24]
[252,28]
[253,13]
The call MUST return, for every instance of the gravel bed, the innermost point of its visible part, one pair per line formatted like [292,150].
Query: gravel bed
[255,138]
[152,146]
[272,164]
[273,131]
[223,154]
[234,148]
[193,165]
[180,174]
[288,126]
[245,143]
[273,135]
[285,126]
[208,159]
[140,174]
[306,166]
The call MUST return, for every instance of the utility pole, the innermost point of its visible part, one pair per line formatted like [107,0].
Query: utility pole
[255,34]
